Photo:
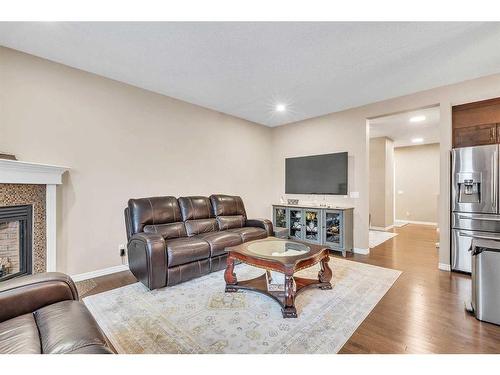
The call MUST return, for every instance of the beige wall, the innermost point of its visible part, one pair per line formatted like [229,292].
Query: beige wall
[381,181]
[417,182]
[122,142]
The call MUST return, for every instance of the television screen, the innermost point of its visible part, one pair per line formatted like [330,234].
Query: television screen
[317,174]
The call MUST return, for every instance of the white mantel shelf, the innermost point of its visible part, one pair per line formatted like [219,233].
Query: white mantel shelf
[21,172]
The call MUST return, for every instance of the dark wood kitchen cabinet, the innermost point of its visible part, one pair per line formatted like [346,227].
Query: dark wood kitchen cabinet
[476,124]
[475,135]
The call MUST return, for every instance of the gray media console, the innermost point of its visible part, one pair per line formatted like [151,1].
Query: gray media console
[331,227]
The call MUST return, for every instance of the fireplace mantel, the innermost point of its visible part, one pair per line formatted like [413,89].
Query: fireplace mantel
[21,172]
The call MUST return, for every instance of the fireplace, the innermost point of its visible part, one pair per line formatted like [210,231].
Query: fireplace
[16,230]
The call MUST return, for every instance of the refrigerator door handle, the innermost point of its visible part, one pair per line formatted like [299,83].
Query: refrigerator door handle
[462,234]
[479,218]
[494,166]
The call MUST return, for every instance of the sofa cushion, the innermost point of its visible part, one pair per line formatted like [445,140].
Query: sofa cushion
[228,222]
[167,231]
[185,272]
[19,336]
[218,241]
[152,211]
[186,250]
[227,205]
[67,326]
[249,233]
[193,208]
[194,227]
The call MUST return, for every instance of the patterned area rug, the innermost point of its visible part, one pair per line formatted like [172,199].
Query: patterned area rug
[198,317]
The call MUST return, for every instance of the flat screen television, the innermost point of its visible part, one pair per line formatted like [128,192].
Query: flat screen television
[317,174]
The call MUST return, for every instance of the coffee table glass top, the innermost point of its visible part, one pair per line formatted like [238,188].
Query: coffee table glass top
[278,248]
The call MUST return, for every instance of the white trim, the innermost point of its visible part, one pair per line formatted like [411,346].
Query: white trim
[382,228]
[358,250]
[21,172]
[101,272]
[444,267]
[51,228]
[417,222]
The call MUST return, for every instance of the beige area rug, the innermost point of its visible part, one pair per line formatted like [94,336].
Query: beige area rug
[198,317]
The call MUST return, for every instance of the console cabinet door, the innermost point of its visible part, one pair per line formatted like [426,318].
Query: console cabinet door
[333,227]
[280,217]
[295,223]
[312,225]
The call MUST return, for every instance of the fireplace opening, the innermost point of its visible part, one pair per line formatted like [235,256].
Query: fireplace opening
[15,241]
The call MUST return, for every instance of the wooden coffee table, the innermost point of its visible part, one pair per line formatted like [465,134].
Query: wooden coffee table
[285,256]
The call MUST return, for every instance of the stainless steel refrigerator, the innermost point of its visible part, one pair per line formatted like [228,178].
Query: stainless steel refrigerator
[474,203]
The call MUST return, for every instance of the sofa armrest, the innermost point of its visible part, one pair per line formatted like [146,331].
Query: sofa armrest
[26,294]
[261,223]
[147,259]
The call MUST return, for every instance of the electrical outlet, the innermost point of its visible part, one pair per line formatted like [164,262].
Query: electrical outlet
[121,247]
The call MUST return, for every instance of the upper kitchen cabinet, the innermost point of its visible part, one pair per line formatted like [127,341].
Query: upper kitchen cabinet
[476,135]
[476,124]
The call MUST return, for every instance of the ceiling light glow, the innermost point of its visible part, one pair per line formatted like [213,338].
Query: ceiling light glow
[417,140]
[417,119]
[280,108]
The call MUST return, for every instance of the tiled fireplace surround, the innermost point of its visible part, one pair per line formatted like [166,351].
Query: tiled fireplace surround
[34,184]
[27,194]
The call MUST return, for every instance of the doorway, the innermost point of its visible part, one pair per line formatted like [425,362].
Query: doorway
[404,164]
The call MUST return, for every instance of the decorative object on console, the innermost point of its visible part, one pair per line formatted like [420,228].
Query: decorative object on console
[7,156]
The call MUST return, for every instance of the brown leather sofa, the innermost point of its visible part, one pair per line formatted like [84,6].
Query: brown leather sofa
[174,240]
[41,314]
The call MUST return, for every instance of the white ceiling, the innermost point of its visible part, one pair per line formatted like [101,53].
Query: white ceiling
[399,128]
[245,69]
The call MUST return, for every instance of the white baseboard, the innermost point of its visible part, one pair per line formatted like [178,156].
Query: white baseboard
[444,267]
[382,228]
[101,272]
[358,250]
[417,222]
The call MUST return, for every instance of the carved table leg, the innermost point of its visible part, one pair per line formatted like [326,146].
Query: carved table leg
[289,310]
[325,274]
[229,275]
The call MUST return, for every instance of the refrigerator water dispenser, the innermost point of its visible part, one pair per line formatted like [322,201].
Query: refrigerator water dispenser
[469,187]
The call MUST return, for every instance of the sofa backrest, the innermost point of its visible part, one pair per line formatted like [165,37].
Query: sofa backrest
[155,215]
[198,215]
[229,211]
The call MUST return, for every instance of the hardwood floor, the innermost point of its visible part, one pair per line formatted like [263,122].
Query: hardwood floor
[423,312]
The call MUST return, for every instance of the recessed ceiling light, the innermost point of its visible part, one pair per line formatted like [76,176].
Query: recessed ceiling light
[417,140]
[417,119]
[280,108]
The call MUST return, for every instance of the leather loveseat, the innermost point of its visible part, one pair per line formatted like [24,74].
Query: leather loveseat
[173,240]
[41,314]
